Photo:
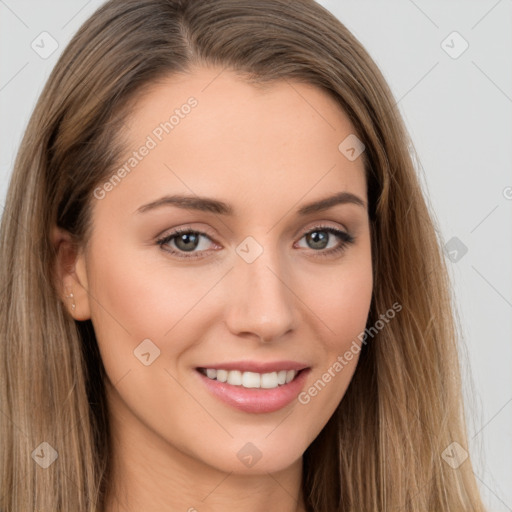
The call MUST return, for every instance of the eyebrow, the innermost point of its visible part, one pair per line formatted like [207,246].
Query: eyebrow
[207,204]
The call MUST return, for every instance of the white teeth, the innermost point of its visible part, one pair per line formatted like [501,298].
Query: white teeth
[290,375]
[251,379]
[235,378]
[222,375]
[269,380]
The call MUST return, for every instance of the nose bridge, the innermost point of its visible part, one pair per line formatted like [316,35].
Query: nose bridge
[262,303]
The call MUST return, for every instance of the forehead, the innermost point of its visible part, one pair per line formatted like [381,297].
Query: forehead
[229,102]
[212,133]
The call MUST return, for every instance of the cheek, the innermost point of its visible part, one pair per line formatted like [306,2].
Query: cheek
[342,302]
[349,318]
[134,297]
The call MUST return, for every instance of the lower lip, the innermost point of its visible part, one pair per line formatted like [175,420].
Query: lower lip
[256,400]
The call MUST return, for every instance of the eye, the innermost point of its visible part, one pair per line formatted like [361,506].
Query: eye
[319,237]
[185,240]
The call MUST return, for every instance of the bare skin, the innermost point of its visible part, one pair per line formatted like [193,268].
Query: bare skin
[266,152]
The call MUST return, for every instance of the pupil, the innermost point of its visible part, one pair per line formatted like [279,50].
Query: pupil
[186,238]
[319,237]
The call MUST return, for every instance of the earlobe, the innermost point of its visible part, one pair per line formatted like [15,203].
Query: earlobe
[70,274]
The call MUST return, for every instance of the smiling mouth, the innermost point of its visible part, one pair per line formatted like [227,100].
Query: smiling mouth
[251,380]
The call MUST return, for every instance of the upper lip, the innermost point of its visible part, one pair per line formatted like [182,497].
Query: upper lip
[257,366]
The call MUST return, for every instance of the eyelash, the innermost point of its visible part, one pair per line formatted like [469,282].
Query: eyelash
[346,240]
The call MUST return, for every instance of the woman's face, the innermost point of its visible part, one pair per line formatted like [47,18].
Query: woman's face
[257,281]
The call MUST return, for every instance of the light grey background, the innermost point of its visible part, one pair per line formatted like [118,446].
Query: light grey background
[458,111]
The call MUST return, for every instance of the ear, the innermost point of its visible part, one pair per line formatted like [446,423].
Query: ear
[71,274]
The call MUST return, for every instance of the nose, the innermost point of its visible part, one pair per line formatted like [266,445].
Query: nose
[262,303]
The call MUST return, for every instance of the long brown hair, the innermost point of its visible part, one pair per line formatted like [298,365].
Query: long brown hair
[382,448]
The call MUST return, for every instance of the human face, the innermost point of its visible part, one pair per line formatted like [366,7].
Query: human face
[252,288]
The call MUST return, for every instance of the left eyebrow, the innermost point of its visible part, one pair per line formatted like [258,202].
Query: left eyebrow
[208,204]
[329,202]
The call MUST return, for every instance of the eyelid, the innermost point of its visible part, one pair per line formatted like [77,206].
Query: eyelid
[322,225]
[186,229]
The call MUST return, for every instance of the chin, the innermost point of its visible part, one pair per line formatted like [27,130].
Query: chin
[256,456]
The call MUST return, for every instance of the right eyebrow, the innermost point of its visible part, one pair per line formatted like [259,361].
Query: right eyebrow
[204,204]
